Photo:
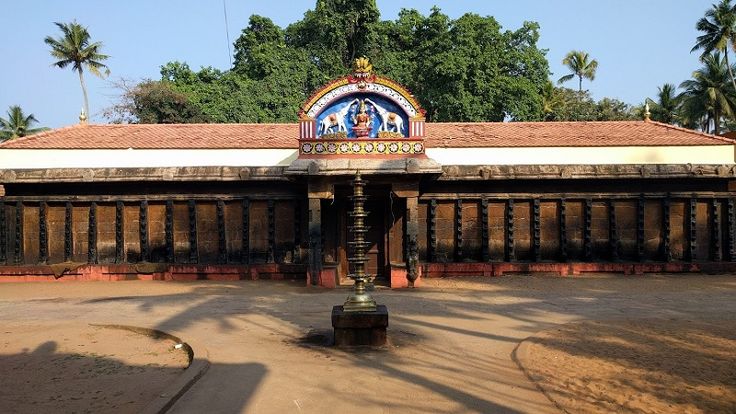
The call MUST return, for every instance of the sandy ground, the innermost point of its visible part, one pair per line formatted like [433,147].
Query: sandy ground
[451,341]
[78,368]
[637,366]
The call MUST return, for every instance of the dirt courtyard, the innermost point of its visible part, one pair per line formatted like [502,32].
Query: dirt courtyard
[636,366]
[75,367]
[452,342]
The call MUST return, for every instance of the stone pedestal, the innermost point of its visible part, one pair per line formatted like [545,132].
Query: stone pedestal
[360,328]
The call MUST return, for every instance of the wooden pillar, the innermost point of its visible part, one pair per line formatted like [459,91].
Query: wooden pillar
[458,230]
[692,229]
[588,230]
[715,231]
[3,234]
[18,236]
[245,242]
[119,232]
[169,231]
[92,234]
[485,231]
[666,229]
[143,229]
[613,239]
[731,230]
[536,230]
[432,230]
[412,241]
[563,230]
[271,212]
[640,228]
[315,240]
[221,233]
[193,251]
[43,236]
[510,250]
[68,234]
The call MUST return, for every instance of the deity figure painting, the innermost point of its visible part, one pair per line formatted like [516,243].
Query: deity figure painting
[361,116]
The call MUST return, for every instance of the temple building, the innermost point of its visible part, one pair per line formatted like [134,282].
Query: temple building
[270,201]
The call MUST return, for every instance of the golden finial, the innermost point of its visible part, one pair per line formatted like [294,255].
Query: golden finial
[362,65]
[647,114]
[83,117]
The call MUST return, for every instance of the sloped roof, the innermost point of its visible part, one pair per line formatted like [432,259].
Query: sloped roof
[444,135]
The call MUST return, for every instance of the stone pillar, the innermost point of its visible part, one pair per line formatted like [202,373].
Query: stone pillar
[410,276]
[314,270]
[412,243]
[318,190]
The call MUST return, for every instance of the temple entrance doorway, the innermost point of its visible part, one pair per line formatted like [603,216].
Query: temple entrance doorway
[376,205]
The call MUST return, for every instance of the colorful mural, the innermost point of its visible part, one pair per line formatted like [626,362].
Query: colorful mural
[361,105]
[343,116]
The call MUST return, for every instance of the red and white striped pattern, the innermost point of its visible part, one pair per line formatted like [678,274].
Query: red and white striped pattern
[307,129]
[416,129]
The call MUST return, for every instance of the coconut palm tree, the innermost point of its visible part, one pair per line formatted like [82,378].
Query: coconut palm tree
[17,124]
[581,65]
[665,108]
[709,96]
[74,48]
[719,32]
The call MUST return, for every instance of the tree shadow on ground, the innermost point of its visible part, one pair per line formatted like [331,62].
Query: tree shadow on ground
[471,311]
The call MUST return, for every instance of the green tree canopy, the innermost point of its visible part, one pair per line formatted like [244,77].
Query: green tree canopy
[74,47]
[565,104]
[581,65]
[467,69]
[719,32]
[17,124]
[709,96]
[667,106]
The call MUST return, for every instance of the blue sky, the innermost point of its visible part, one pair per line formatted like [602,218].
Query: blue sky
[639,44]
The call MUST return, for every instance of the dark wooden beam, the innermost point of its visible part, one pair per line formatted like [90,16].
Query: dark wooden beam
[193,251]
[563,230]
[271,213]
[221,233]
[536,230]
[588,230]
[458,230]
[143,229]
[119,232]
[692,229]
[169,231]
[3,234]
[731,230]
[245,242]
[509,248]
[485,230]
[43,235]
[715,231]
[640,228]
[68,234]
[18,232]
[412,234]
[613,238]
[432,230]
[92,234]
[666,229]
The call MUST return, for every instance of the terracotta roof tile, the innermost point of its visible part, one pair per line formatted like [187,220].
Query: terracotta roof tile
[447,135]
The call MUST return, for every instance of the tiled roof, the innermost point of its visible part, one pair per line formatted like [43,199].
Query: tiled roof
[446,135]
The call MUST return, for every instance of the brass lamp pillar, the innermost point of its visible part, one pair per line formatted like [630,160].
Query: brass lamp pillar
[359,300]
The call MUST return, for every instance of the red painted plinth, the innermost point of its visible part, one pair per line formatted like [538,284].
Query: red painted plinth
[115,272]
